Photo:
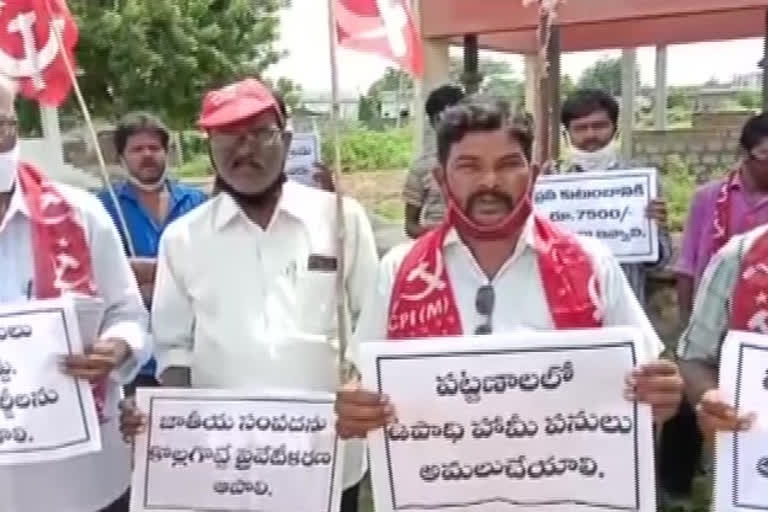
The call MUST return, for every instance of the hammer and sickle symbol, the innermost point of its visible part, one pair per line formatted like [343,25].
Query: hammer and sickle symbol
[432,280]
[34,62]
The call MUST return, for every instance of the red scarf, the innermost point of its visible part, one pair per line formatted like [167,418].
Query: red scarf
[749,303]
[722,221]
[423,303]
[62,257]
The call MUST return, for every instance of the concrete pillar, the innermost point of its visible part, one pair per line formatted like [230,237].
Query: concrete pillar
[437,69]
[49,119]
[764,64]
[629,91]
[531,83]
[660,103]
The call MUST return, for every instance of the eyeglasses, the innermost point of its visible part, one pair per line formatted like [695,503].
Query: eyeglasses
[262,137]
[484,304]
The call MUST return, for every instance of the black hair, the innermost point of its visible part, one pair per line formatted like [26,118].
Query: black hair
[139,122]
[588,101]
[440,99]
[481,114]
[754,131]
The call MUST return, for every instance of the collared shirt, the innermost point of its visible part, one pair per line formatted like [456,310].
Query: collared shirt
[90,482]
[747,212]
[143,228]
[422,190]
[637,273]
[237,303]
[710,318]
[521,303]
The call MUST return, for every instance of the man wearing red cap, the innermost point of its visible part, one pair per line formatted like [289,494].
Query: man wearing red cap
[241,275]
[494,267]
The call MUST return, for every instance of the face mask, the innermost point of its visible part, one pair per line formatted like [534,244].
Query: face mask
[507,227]
[9,164]
[600,160]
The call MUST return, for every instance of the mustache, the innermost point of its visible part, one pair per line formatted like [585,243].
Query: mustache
[495,195]
[247,160]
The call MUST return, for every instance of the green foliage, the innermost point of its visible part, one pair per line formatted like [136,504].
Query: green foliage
[196,167]
[161,55]
[368,150]
[679,185]
[289,90]
[750,100]
[604,74]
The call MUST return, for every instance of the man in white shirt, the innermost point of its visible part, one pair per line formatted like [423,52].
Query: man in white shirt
[54,241]
[492,266]
[245,278]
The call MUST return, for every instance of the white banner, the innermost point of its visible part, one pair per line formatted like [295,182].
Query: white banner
[741,482]
[302,157]
[532,421]
[45,415]
[609,205]
[217,450]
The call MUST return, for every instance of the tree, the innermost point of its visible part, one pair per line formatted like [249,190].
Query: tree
[605,74]
[567,86]
[162,55]
[290,91]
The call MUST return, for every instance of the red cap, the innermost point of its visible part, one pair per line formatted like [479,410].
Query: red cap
[236,102]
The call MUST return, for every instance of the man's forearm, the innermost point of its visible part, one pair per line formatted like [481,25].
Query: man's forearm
[177,377]
[699,378]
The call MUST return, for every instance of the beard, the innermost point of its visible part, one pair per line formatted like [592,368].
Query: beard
[256,200]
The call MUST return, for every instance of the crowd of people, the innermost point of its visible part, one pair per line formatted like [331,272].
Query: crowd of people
[226,280]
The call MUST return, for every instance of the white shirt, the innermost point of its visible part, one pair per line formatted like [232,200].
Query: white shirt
[231,298]
[520,300]
[90,482]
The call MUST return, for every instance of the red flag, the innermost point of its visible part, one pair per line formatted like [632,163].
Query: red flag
[383,27]
[29,50]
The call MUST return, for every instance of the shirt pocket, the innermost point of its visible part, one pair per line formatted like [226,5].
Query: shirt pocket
[316,300]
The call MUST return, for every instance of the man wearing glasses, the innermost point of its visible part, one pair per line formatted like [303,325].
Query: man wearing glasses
[493,267]
[240,274]
[58,241]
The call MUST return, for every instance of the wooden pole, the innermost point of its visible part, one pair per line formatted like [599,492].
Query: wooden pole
[345,371]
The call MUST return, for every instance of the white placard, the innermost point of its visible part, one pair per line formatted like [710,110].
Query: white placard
[217,450]
[302,157]
[532,421]
[741,481]
[608,205]
[45,415]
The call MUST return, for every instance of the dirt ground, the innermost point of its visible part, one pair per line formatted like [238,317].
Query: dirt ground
[379,191]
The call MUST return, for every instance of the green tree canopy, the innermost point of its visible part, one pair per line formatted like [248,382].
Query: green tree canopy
[162,55]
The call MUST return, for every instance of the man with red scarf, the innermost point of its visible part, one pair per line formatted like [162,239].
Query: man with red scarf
[493,267]
[59,241]
[732,296]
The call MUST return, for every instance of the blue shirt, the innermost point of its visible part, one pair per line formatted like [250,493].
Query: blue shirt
[144,230]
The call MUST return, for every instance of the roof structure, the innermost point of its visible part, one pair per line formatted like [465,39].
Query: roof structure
[505,25]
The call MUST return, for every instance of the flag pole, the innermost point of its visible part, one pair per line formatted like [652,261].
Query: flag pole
[345,370]
[92,130]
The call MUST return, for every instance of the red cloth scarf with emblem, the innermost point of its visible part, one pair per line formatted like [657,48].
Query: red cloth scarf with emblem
[749,303]
[722,222]
[423,303]
[62,260]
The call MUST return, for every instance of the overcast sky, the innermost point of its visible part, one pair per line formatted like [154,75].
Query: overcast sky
[307,62]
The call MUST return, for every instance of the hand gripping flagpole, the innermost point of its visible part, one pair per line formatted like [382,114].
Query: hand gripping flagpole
[91,129]
[345,369]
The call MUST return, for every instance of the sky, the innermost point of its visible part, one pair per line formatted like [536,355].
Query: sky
[308,61]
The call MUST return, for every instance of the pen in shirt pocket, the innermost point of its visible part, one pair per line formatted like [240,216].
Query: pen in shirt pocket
[28,290]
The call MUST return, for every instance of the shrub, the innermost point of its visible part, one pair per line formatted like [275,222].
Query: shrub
[367,150]
[679,185]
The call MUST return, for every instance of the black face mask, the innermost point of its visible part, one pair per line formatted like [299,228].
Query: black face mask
[255,200]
